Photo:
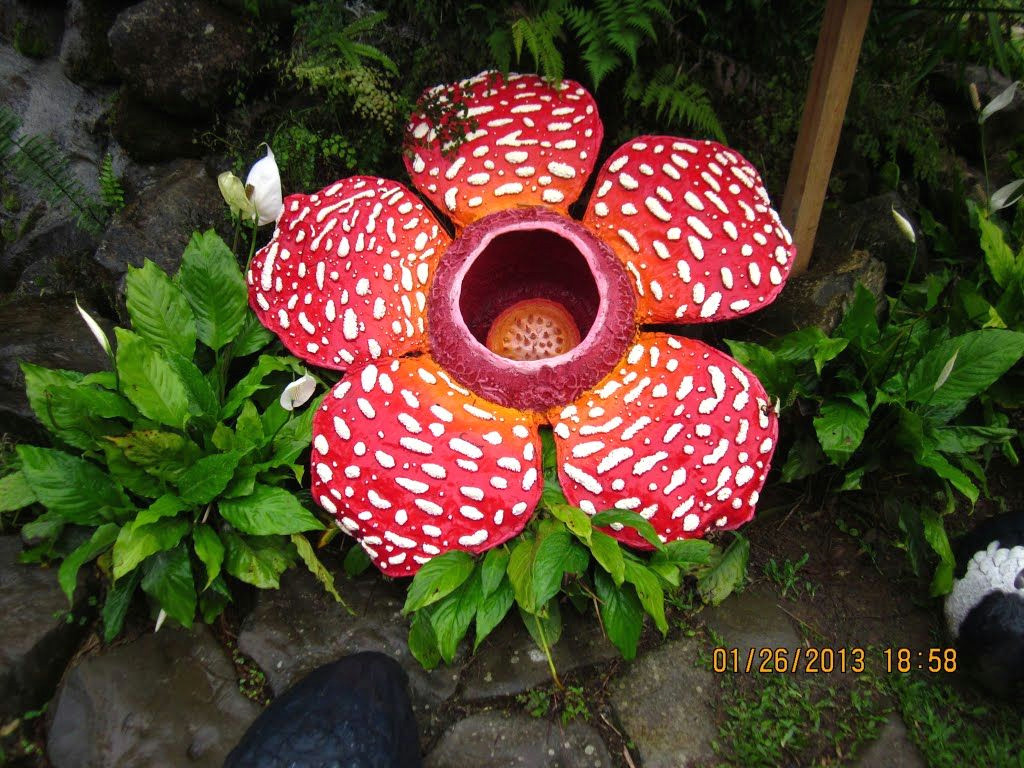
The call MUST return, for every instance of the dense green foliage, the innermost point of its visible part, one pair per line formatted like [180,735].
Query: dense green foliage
[167,476]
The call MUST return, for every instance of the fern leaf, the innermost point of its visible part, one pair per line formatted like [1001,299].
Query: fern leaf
[111,191]
[500,44]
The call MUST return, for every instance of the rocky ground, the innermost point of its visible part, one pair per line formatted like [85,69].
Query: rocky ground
[178,697]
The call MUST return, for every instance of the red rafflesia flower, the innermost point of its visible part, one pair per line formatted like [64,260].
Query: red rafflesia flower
[456,351]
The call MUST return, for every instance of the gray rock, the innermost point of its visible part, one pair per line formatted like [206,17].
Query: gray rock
[149,135]
[298,627]
[502,740]
[85,51]
[892,749]
[178,200]
[34,27]
[53,259]
[36,639]
[819,297]
[666,705]
[179,56]
[509,661]
[45,331]
[869,226]
[752,619]
[169,698]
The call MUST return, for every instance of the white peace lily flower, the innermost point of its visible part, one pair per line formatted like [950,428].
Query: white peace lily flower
[298,392]
[160,618]
[904,225]
[101,337]
[263,188]
[1002,101]
[233,191]
[1003,197]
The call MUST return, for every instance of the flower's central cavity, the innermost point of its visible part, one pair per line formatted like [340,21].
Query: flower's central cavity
[528,308]
[529,294]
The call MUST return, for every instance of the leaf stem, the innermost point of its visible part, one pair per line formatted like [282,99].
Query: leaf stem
[547,652]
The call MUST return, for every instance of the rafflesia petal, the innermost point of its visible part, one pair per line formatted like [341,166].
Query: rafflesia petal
[693,224]
[414,465]
[345,278]
[678,432]
[533,143]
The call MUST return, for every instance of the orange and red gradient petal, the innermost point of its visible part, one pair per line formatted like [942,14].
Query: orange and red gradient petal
[345,278]
[678,432]
[413,465]
[497,141]
[692,222]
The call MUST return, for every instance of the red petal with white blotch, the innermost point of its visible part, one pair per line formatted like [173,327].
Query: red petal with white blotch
[495,142]
[693,224]
[414,465]
[345,278]
[678,432]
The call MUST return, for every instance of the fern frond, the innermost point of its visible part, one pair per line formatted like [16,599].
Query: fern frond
[499,42]
[111,191]
[673,98]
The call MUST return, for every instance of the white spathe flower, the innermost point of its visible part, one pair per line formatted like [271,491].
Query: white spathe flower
[1002,101]
[160,618]
[298,392]
[263,188]
[905,226]
[101,337]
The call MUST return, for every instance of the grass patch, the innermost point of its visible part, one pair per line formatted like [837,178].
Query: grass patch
[799,720]
[952,728]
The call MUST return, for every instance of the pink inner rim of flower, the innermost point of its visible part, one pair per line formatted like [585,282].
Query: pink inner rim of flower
[520,264]
[526,254]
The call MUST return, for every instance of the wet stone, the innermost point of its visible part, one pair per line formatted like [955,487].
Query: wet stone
[503,740]
[169,698]
[36,639]
[299,627]
[509,661]
[666,705]
[892,749]
[752,619]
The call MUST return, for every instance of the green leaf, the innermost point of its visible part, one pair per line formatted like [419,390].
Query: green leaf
[632,520]
[214,599]
[545,626]
[268,510]
[648,589]
[308,556]
[76,412]
[438,578]
[453,614]
[520,572]
[492,569]
[252,337]
[165,455]
[137,542]
[608,554]
[963,440]
[575,519]
[72,487]
[422,642]
[98,543]
[15,492]
[252,382]
[621,614]
[356,561]
[158,310]
[778,376]
[129,475]
[981,357]
[150,382]
[493,608]
[209,549]
[249,427]
[46,527]
[860,324]
[115,608]
[935,535]
[295,436]
[941,466]
[841,424]
[203,402]
[214,287]
[998,254]
[208,477]
[168,580]
[549,565]
[257,560]
[727,574]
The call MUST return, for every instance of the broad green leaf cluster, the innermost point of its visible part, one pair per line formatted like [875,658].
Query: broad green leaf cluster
[911,402]
[562,561]
[168,472]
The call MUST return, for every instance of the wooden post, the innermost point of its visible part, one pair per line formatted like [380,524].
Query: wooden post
[835,62]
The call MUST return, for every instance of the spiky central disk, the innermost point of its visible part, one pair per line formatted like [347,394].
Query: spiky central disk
[509,279]
[533,329]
